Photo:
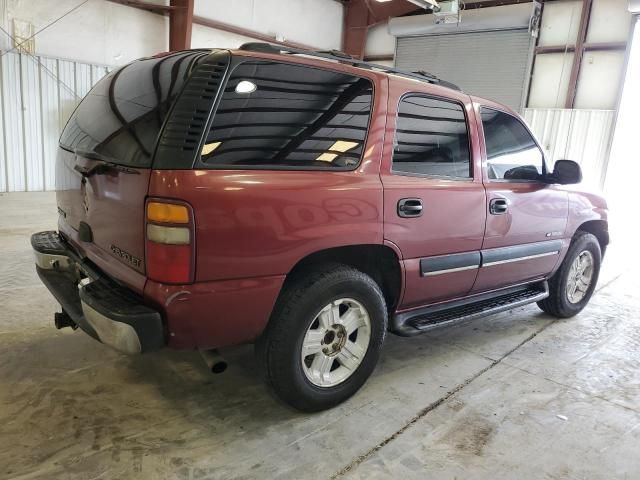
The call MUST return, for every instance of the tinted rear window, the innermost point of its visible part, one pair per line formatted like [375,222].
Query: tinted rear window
[431,138]
[277,115]
[121,117]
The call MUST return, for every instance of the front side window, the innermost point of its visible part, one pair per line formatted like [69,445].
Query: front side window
[277,115]
[431,138]
[512,154]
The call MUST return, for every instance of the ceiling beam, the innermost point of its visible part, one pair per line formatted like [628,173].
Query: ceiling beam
[579,51]
[587,47]
[360,15]
[180,22]
[150,7]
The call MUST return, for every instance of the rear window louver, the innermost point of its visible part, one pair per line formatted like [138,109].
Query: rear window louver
[181,136]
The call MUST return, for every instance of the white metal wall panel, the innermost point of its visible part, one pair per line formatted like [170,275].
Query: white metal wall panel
[37,96]
[3,157]
[13,133]
[50,118]
[97,72]
[83,79]
[580,135]
[67,99]
[490,64]
[32,124]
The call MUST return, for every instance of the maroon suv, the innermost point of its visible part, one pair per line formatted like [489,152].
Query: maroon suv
[309,203]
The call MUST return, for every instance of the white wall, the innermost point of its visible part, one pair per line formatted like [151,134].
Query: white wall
[560,23]
[4,40]
[98,32]
[550,80]
[621,181]
[317,23]
[600,79]
[600,72]
[380,41]
[610,21]
[102,32]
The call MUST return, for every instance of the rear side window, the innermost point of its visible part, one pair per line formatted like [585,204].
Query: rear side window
[512,154]
[277,115]
[121,117]
[431,138]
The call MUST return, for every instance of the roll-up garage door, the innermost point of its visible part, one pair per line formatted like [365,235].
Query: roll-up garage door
[490,64]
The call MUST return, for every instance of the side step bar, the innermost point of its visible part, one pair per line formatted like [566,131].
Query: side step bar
[423,320]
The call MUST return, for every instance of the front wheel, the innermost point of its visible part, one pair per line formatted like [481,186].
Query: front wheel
[572,286]
[324,337]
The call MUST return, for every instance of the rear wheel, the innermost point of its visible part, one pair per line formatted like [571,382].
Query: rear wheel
[572,286]
[324,337]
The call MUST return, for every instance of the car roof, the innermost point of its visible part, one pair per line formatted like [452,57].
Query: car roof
[349,64]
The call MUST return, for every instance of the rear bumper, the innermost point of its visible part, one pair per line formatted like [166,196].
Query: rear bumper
[107,311]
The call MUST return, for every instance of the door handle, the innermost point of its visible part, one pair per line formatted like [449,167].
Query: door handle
[498,206]
[410,207]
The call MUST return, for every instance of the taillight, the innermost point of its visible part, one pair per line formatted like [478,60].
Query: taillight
[170,242]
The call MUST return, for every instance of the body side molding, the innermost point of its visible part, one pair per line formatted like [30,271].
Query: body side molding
[457,262]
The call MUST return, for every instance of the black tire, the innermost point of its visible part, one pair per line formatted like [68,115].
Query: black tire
[557,303]
[279,348]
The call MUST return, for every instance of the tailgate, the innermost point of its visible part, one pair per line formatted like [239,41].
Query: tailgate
[104,161]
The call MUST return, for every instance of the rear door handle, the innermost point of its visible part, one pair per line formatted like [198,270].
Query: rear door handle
[410,207]
[498,206]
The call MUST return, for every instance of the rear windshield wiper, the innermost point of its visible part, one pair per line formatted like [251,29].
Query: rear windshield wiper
[102,167]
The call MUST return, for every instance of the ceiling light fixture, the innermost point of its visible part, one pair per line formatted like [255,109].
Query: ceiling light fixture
[427,4]
[338,146]
[209,147]
[245,86]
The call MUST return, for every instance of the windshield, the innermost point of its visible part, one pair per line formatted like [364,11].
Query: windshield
[121,117]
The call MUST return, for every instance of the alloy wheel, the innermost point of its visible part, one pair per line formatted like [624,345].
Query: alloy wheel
[336,342]
[580,276]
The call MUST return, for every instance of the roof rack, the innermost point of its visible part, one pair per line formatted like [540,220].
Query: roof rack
[342,57]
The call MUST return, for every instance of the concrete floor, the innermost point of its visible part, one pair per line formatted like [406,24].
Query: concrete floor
[518,395]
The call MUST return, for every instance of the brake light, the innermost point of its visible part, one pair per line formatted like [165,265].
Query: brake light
[170,242]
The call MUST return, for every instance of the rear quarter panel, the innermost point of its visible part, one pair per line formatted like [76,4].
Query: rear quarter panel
[261,223]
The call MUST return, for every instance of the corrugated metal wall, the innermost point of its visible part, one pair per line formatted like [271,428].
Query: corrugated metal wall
[580,135]
[37,96]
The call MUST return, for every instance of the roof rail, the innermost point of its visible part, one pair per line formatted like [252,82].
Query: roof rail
[342,57]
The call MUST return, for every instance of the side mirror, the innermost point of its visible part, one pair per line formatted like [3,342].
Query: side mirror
[565,172]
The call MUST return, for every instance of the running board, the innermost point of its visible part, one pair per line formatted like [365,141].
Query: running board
[423,320]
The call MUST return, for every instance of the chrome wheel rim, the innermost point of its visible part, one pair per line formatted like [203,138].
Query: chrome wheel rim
[580,276]
[336,342]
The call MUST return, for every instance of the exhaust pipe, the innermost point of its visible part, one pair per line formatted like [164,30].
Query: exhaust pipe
[63,320]
[214,361]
